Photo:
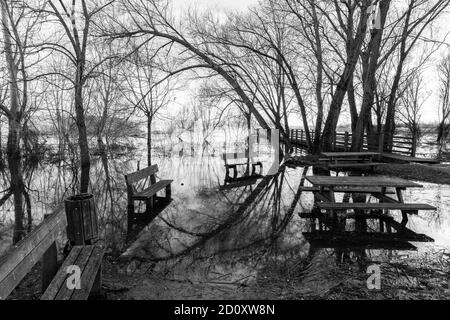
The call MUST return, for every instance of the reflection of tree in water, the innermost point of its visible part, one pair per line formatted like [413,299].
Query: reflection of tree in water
[237,225]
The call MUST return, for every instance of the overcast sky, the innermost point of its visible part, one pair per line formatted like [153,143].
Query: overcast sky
[218,4]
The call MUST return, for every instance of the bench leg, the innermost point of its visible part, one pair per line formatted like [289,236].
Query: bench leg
[97,286]
[49,264]
[168,192]
[149,205]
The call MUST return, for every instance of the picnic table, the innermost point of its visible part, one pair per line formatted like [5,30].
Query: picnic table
[338,160]
[325,188]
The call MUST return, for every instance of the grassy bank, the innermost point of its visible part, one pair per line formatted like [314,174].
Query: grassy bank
[418,172]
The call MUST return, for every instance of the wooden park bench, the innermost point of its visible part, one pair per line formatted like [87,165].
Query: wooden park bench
[347,190]
[410,207]
[40,244]
[234,166]
[142,186]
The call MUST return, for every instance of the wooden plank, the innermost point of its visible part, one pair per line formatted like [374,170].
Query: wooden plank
[347,190]
[89,274]
[374,206]
[351,181]
[64,292]
[355,245]
[141,174]
[81,261]
[362,237]
[87,223]
[60,278]
[355,165]
[18,261]
[152,190]
[369,216]
[384,198]
[349,154]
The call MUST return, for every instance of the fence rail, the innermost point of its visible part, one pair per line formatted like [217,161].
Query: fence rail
[342,141]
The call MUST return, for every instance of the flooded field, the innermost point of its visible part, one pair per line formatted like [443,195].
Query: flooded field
[211,234]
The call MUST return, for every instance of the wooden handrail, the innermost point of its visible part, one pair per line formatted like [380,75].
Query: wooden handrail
[401,144]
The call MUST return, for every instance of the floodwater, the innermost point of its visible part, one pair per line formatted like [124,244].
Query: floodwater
[207,233]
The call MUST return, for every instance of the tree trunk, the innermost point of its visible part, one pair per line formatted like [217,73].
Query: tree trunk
[342,86]
[13,145]
[82,132]
[149,139]
[14,164]
[389,127]
[369,84]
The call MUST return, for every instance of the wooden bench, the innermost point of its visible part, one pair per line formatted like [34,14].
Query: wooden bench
[142,186]
[410,207]
[41,244]
[235,172]
[88,259]
[346,190]
[355,165]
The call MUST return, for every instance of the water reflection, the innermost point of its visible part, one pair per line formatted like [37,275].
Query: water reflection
[216,233]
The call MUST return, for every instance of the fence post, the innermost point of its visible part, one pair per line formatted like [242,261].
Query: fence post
[334,141]
[346,141]
[49,263]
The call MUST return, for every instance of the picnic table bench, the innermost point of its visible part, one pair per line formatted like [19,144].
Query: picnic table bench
[142,186]
[356,160]
[234,166]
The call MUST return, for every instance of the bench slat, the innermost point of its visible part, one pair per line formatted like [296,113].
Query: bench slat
[88,276]
[365,237]
[61,275]
[88,259]
[20,260]
[152,190]
[64,292]
[313,215]
[355,165]
[380,206]
[346,190]
[141,174]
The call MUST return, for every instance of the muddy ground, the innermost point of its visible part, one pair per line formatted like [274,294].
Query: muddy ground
[425,277]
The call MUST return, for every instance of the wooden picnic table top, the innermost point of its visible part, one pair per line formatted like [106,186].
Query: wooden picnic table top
[349,154]
[350,181]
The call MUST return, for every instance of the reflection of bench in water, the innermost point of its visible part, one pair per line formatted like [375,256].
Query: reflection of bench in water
[391,234]
[248,178]
[332,227]
[143,187]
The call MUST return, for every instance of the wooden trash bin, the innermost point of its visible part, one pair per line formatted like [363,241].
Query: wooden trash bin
[82,222]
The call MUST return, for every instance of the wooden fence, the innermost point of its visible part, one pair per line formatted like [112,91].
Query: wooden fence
[342,141]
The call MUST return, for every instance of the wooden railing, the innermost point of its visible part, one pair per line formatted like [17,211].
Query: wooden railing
[343,141]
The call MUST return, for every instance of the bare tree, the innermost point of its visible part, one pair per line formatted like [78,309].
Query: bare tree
[444,97]
[410,110]
[75,17]
[147,87]
[18,27]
